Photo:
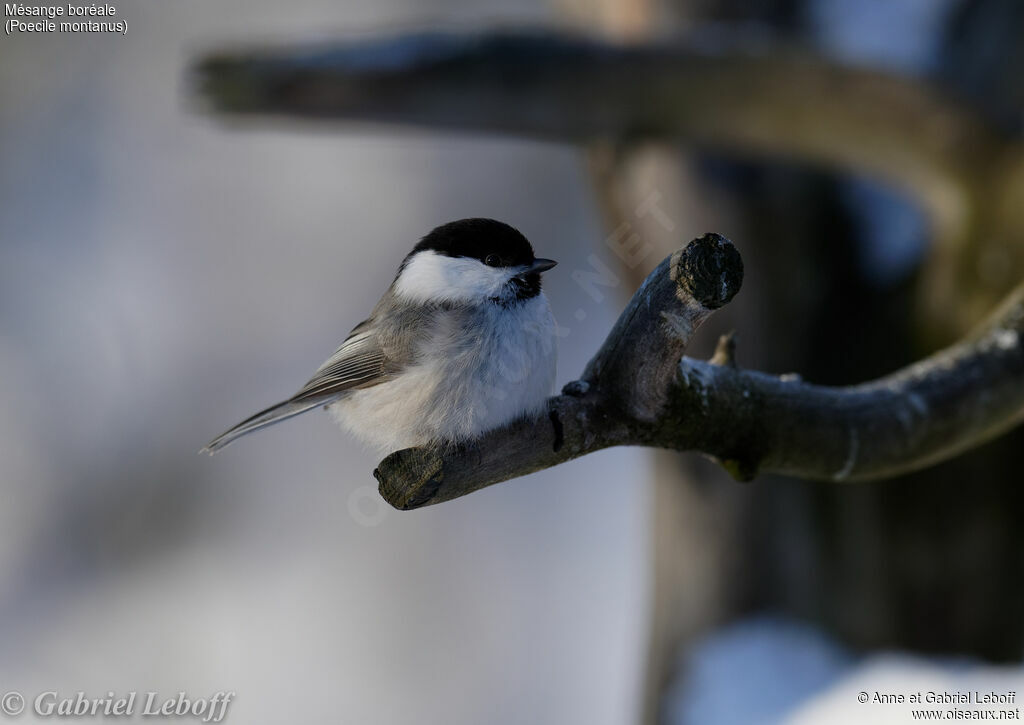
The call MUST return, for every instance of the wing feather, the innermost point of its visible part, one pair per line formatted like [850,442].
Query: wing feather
[360,362]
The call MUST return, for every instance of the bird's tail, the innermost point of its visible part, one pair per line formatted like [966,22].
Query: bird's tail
[273,414]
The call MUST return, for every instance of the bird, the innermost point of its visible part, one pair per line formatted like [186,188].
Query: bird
[461,342]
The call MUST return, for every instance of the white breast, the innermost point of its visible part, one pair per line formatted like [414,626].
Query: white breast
[481,369]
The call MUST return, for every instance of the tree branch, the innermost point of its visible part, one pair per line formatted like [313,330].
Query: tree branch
[723,91]
[718,88]
[726,89]
[637,391]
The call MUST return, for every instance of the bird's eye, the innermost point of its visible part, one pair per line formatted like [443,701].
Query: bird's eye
[492,260]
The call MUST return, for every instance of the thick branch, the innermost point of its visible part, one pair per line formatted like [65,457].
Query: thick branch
[729,90]
[637,391]
[719,88]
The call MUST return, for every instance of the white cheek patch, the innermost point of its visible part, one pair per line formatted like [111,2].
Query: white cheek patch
[433,277]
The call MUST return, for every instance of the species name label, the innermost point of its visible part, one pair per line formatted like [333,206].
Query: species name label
[34,19]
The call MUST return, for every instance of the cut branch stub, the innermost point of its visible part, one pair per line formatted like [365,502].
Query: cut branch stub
[638,361]
[709,270]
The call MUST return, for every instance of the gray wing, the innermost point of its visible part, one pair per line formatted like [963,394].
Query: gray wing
[362,360]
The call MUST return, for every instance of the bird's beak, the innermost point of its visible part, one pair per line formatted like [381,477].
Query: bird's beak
[538,266]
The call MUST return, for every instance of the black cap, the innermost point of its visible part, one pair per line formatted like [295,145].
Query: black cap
[492,242]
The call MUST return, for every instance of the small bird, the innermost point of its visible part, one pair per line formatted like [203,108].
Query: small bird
[463,341]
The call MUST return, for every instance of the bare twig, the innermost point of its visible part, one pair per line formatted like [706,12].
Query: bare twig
[637,391]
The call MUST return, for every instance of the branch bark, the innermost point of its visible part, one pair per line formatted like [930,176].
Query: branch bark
[637,391]
[725,89]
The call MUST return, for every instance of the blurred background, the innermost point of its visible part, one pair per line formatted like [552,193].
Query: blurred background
[164,274]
